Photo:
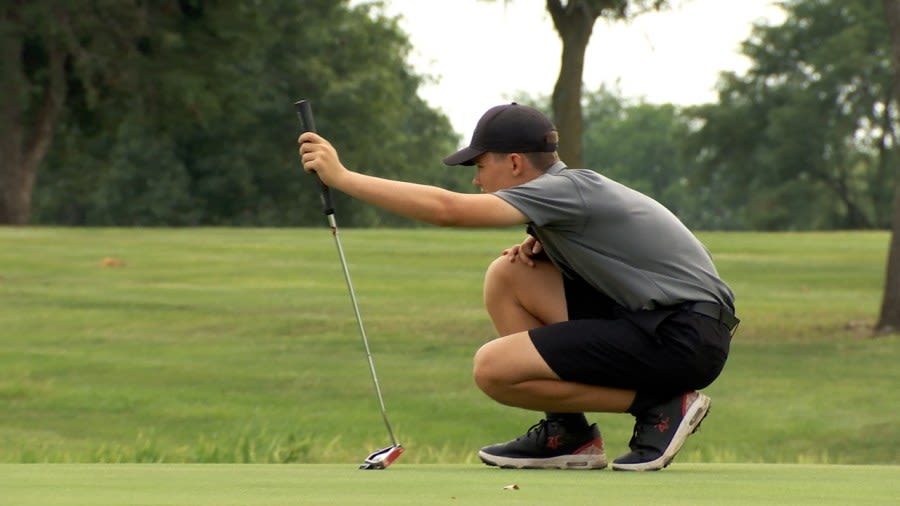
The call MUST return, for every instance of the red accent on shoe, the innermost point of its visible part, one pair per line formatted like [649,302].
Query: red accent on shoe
[594,446]
[687,399]
[553,442]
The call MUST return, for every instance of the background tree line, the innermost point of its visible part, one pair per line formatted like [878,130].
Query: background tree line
[179,113]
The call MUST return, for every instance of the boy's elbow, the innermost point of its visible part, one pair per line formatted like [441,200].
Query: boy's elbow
[447,212]
[446,218]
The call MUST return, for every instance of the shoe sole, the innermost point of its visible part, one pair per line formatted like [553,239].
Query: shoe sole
[587,461]
[689,425]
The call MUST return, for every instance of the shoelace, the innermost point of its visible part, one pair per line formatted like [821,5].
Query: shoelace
[537,429]
[643,425]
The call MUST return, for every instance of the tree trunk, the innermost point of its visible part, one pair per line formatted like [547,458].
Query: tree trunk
[889,319]
[574,23]
[25,136]
[13,84]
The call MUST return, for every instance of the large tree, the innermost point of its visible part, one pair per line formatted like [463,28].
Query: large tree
[574,22]
[179,112]
[889,318]
[799,139]
[53,52]
[30,102]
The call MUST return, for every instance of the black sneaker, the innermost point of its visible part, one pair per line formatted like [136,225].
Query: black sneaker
[661,431]
[548,445]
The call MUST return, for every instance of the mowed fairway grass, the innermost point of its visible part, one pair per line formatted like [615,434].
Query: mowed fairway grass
[239,346]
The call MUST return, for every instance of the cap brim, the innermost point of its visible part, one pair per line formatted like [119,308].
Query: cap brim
[465,156]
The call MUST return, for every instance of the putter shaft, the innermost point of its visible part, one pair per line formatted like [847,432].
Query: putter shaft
[362,331]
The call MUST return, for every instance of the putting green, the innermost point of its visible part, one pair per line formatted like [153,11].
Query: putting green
[272,485]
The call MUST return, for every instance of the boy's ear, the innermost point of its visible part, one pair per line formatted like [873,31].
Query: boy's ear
[518,162]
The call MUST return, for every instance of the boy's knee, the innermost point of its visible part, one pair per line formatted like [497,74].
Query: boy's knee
[498,269]
[504,275]
[485,371]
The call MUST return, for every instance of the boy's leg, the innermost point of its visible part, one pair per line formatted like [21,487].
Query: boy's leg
[519,297]
[509,369]
[663,422]
[661,430]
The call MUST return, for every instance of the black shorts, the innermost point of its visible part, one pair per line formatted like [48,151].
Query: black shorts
[668,351]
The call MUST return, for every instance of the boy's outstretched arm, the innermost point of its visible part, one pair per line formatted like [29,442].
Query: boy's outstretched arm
[428,204]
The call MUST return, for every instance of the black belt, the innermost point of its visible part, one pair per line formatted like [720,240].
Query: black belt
[715,311]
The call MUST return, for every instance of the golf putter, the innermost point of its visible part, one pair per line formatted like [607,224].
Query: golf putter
[386,456]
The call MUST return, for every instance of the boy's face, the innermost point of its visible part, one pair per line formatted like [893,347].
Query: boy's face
[494,172]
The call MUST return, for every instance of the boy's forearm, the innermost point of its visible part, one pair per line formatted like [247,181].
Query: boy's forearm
[419,202]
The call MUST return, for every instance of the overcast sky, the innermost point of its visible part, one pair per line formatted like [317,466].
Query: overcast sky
[482,52]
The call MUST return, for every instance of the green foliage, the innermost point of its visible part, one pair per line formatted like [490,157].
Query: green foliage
[642,145]
[179,113]
[239,345]
[203,130]
[806,138]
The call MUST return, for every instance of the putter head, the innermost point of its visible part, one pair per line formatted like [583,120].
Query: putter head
[382,458]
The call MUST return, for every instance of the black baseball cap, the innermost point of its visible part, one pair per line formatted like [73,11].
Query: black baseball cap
[508,128]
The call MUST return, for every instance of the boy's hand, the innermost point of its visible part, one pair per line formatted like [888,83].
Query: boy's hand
[524,252]
[319,156]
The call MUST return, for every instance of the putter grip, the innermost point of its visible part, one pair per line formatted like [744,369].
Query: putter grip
[304,112]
